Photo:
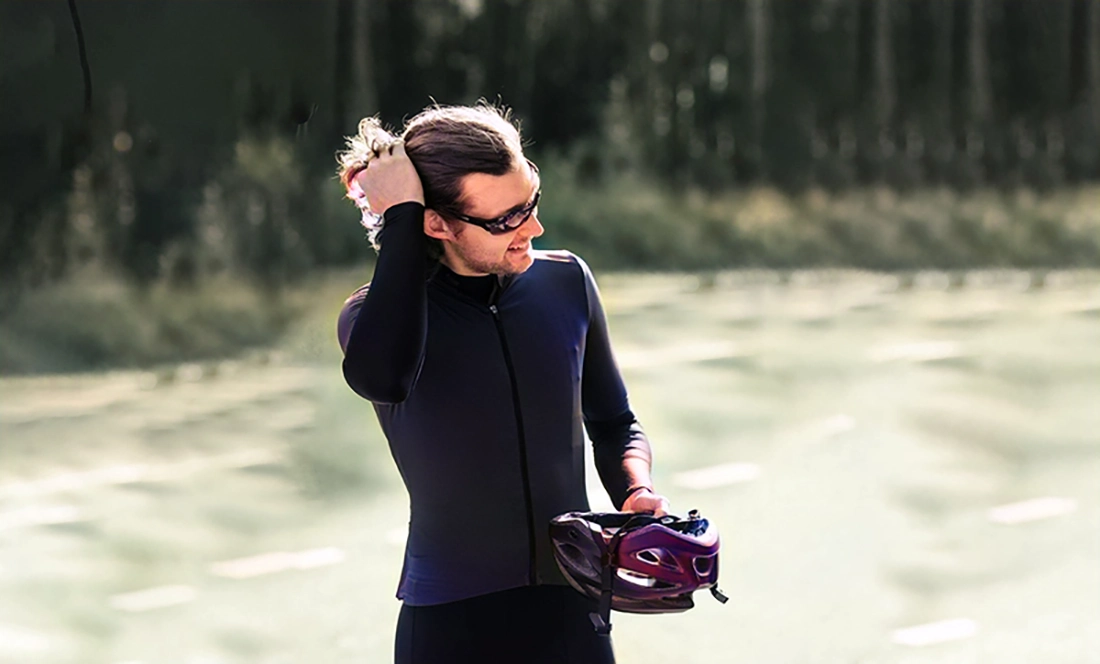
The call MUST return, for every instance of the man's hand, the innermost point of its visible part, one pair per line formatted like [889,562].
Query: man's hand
[388,179]
[646,501]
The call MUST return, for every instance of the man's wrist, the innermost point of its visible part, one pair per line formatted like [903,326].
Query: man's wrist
[404,210]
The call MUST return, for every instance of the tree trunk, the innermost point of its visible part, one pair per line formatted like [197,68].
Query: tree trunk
[978,61]
[758,35]
[942,59]
[885,82]
[1084,66]
[1092,69]
[1092,62]
[341,69]
[758,23]
[363,95]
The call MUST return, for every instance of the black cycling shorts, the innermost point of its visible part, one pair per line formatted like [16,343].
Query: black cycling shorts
[532,625]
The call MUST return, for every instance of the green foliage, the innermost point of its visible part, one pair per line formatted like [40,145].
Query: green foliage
[235,296]
[632,223]
[258,216]
[689,136]
[216,158]
[97,322]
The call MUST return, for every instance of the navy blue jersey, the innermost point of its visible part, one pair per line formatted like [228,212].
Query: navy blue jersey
[484,387]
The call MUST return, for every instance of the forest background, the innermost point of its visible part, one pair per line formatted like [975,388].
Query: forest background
[179,202]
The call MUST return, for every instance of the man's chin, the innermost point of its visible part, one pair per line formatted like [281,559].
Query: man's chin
[519,264]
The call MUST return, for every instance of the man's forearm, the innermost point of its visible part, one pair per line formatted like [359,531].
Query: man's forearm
[623,456]
[636,468]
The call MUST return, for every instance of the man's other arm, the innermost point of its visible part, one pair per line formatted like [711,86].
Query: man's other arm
[620,447]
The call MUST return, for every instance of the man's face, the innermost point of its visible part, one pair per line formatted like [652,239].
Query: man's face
[475,251]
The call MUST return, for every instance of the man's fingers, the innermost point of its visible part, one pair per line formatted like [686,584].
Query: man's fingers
[355,179]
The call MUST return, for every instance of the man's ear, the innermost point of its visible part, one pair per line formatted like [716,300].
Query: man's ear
[436,227]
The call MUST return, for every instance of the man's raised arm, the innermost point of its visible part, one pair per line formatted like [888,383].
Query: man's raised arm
[383,326]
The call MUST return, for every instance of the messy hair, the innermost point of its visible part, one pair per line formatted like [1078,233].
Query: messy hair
[445,144]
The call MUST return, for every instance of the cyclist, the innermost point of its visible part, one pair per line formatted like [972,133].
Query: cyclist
[485,360]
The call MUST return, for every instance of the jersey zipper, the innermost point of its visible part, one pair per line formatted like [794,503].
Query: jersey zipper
[528,503]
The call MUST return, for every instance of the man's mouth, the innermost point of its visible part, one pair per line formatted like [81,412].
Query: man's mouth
[523,247]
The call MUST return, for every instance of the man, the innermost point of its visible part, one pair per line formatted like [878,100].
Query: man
[483,357]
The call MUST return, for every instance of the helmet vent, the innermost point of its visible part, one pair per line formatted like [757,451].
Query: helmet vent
[658,557]
[577,558]
[649,556]
[703,565]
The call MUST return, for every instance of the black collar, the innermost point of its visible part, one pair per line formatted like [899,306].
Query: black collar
[484,289]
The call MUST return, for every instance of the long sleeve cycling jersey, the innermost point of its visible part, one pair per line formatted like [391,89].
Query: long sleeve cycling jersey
[481,386]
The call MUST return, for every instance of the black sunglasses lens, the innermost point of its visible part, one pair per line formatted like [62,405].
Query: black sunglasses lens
[513,221]
[507,225]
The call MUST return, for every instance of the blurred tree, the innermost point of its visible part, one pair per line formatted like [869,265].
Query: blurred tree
[354,93]
[704,94]
[1083,117]
[759,24]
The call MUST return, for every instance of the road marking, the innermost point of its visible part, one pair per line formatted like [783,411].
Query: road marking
[716,476]
[1032,510]
[153,598]
[734,473]
[937,632]
[136,472]
[314,558]
[20,639]
[836,424]
[39,516]
[276,561]
[655,357]
[917,351]
[31,400]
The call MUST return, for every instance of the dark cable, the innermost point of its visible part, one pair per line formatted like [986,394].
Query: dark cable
[83,59]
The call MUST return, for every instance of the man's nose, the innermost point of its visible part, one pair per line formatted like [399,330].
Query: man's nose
[533,228]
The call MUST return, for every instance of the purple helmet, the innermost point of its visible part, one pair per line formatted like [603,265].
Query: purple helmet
[637,563]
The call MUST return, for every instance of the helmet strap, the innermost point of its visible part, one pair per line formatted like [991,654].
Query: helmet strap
[602,620]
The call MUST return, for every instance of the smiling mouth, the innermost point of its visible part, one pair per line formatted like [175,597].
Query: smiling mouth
[524,247]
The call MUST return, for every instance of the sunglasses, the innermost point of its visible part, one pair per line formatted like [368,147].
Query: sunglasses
[507,222]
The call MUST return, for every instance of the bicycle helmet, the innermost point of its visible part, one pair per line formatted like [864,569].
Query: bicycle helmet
[636,563]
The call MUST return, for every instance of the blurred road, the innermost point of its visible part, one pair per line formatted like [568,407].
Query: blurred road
[902,472]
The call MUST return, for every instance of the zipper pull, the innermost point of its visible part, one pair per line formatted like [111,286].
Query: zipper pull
[493,308]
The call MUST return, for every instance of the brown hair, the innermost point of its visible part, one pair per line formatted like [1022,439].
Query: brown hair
[445,144]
